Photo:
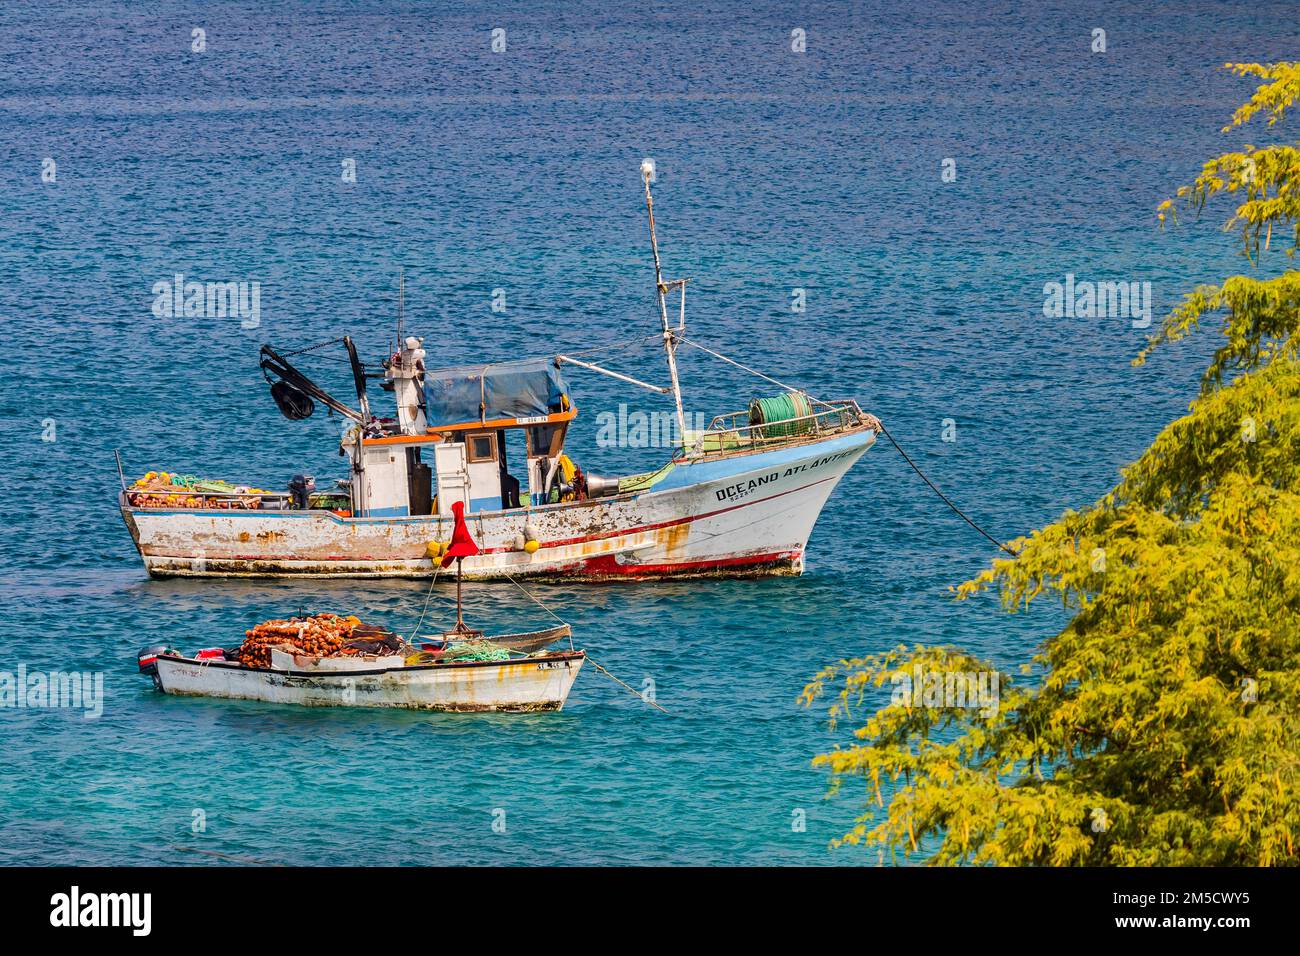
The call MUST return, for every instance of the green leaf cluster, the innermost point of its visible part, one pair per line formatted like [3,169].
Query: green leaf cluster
[1160,726]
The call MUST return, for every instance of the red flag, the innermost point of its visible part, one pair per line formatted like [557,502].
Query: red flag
[462,545]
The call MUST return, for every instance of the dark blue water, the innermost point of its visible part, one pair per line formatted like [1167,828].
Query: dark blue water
[479,171]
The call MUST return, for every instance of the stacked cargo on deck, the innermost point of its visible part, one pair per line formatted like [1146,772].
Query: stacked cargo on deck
[161,489]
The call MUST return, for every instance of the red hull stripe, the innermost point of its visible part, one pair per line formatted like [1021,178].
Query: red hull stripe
[607,564]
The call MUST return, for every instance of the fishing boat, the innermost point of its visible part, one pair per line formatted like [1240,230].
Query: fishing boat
[737,498]
[331,661]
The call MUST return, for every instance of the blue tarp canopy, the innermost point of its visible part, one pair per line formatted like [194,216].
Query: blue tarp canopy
[471,393]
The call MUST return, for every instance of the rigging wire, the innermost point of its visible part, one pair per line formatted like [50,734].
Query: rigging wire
[313,348]
[627,343]
[415,634]
[536,601]
[746,368]
[337,359]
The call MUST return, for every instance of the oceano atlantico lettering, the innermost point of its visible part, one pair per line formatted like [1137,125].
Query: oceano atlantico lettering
[743,488]
[103,909]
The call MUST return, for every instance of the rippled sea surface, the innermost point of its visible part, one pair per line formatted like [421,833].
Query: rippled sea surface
[517,171]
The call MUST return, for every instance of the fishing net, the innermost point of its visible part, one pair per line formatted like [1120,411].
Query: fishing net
[779,410]
[476,651]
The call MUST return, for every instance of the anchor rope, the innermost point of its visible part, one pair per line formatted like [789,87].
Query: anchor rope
[594,663]
[946,500]
[247,861]
[653,703]
[916,468]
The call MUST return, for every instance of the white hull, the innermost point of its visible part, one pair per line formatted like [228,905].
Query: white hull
[741,514]
[530,684]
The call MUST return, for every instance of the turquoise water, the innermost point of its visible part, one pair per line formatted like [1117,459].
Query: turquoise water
[518,171]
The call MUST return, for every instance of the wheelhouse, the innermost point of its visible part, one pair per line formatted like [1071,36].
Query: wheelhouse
[490,436]
[489,466]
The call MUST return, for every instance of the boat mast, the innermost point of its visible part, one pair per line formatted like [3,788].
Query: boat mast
[401,303]
[670,341]
[460,627]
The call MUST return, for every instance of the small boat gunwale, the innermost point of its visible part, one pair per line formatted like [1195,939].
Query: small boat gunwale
[559,656]
[529,642]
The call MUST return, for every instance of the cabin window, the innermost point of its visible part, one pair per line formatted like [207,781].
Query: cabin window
[481,447]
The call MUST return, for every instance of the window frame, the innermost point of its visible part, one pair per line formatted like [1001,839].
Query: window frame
[492,454]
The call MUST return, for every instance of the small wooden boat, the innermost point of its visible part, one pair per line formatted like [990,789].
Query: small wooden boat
[460,670]
[536,682]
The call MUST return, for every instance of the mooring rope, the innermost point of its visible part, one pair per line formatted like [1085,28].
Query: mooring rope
[639,695]
[933,487]
[224,856]
[600,667]
[946,500]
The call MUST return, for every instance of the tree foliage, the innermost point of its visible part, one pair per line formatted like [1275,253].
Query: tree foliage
[1160,726]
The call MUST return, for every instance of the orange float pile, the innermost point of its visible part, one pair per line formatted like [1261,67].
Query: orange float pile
[322,635]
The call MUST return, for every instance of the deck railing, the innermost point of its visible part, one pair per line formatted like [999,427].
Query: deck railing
[727,433]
